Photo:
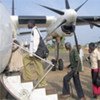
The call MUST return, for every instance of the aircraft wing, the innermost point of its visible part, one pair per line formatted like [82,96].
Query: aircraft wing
[41,21]
[85,20]
[45,21]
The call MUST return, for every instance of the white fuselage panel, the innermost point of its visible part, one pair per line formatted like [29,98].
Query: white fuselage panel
[5,37]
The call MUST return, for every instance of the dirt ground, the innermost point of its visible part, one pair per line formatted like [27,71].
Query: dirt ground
[55,80]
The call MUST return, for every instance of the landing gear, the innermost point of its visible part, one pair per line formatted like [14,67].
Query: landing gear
[58,63]
[55,64]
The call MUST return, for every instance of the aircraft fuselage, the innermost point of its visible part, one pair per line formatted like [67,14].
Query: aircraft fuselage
[5,37]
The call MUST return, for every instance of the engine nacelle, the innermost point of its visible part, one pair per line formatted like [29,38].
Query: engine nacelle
[64,30]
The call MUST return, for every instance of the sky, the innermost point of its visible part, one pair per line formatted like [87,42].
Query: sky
[84,33]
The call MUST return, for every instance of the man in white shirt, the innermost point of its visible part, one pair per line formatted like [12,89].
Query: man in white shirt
[34,38]
[95,67]
[36,46]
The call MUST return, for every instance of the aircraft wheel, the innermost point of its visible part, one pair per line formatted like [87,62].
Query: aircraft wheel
[54,62]
[60,64]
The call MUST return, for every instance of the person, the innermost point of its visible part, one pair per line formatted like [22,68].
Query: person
[16,54]
[75,65]
[95,67]
[38,47]
[81,54]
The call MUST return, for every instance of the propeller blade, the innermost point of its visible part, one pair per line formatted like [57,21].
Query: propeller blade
[54,10]
[80,6]
[76,42]
[67,4]
[13,7]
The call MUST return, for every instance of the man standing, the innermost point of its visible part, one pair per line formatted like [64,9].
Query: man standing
[38,47]
[75,65]
[95,67]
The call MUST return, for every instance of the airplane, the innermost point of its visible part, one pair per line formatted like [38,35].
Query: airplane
[62,26]
[57,27]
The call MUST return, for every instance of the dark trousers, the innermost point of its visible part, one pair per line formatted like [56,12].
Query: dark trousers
[77,83]
[94,73]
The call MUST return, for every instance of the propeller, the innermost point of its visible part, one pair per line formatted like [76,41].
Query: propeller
[64,21]
[80,6]
[61,12]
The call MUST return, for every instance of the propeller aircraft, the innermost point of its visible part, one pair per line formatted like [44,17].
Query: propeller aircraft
[57,27]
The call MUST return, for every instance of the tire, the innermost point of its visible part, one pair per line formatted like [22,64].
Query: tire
[55,63]
[60,64]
